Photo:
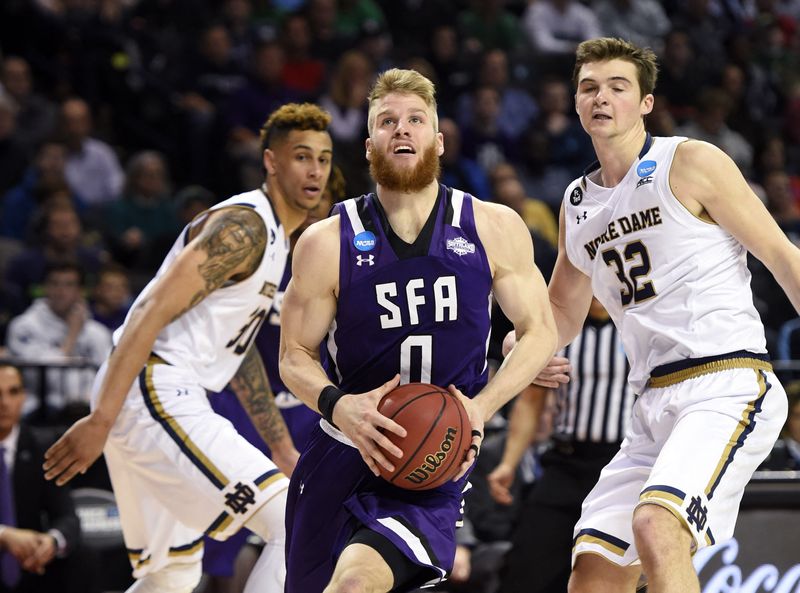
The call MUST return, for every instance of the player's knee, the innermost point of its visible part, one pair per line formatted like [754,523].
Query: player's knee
[657,531]
[268,522]
[174,578]
[356,582]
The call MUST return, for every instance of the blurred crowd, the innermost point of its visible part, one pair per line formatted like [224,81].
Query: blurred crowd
[121,120]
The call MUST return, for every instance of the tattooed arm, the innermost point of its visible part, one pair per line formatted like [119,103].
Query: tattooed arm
[228,247]
[251,387]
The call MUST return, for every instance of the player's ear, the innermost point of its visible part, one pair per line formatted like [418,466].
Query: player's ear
[647,104]
[440,143]
[368,147]
[269,161]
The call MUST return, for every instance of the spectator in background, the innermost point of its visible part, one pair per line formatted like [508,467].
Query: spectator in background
[348,86]
[484,140]
[353,15]
[414,22]
[92,168]
[486,25]
[568,146]
[13,158]
[36,116]
[707,33]
[458,170]
[679,78]
[211,77]
[786,452]
[453,70]
[710,125]
[144,215]
[642,22]
[46,173]
[244,111]
[516,107]
[326,43]
[42,532]
[237,16]
[303,73]
[539,218]
[111,296]
[555,28]
[60,238]
[56,329]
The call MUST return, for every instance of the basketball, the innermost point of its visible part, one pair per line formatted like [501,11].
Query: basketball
[438,435]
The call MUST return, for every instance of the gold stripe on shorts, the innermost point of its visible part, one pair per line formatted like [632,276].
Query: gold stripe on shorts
[707,368]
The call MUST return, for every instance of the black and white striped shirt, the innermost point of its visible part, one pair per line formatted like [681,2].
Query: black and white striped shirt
[595,406]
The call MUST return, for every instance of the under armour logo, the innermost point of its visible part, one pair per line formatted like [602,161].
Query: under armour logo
[182,391]
[579,217]
[302,487]
[696,513]
[369,260]
[240,498]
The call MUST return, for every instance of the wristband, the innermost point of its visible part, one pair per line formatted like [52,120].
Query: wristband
[327,400]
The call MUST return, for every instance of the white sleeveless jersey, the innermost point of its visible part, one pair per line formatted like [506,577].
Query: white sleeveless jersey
[676,286]
[211,338]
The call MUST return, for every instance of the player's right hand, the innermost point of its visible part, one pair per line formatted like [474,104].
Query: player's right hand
[555,373]
[500,481]
[76,450]
[357,416]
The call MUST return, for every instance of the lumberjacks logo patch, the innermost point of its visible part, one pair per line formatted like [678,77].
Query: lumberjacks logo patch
[460,246]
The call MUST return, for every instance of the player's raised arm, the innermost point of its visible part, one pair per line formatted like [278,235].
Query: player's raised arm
[229,247]
[719,189]
[309,307]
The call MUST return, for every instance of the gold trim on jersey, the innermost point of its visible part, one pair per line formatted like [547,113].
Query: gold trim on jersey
[714,366]
[219,525]
[654,495]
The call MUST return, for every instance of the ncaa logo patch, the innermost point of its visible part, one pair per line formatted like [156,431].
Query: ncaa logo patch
[576,197]
[365,241]
[646,168]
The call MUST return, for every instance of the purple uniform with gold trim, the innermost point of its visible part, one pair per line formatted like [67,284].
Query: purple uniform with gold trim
[421,310]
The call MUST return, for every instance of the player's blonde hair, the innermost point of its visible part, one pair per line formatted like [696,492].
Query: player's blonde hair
[612,48]
[293,116]
[409,82]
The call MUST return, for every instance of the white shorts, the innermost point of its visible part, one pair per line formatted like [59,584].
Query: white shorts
[180,471]
[692,447]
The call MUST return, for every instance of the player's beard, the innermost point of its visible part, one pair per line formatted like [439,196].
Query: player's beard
[404,179]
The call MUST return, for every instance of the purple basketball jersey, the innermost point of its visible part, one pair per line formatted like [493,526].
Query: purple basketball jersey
[427,318]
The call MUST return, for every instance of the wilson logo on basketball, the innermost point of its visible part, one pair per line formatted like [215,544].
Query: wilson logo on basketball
[434,460]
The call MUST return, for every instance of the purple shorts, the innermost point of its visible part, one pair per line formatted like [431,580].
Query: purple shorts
[332,494]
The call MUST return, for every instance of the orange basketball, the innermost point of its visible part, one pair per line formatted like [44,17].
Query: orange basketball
[438,435]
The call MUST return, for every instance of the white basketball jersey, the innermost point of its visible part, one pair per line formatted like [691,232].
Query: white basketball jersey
[676,286]
[211,338]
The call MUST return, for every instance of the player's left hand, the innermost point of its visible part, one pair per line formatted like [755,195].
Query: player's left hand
[476,420]
[76,450]
[462,565]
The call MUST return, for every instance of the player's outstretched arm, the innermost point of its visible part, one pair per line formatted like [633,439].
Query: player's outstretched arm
[522,424]
[229,247]
[708,183]
[309,307]
[251,386]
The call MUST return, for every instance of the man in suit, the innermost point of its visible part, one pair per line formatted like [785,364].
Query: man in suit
[38,524]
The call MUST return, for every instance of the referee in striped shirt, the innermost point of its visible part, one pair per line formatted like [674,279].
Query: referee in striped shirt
[592,414]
